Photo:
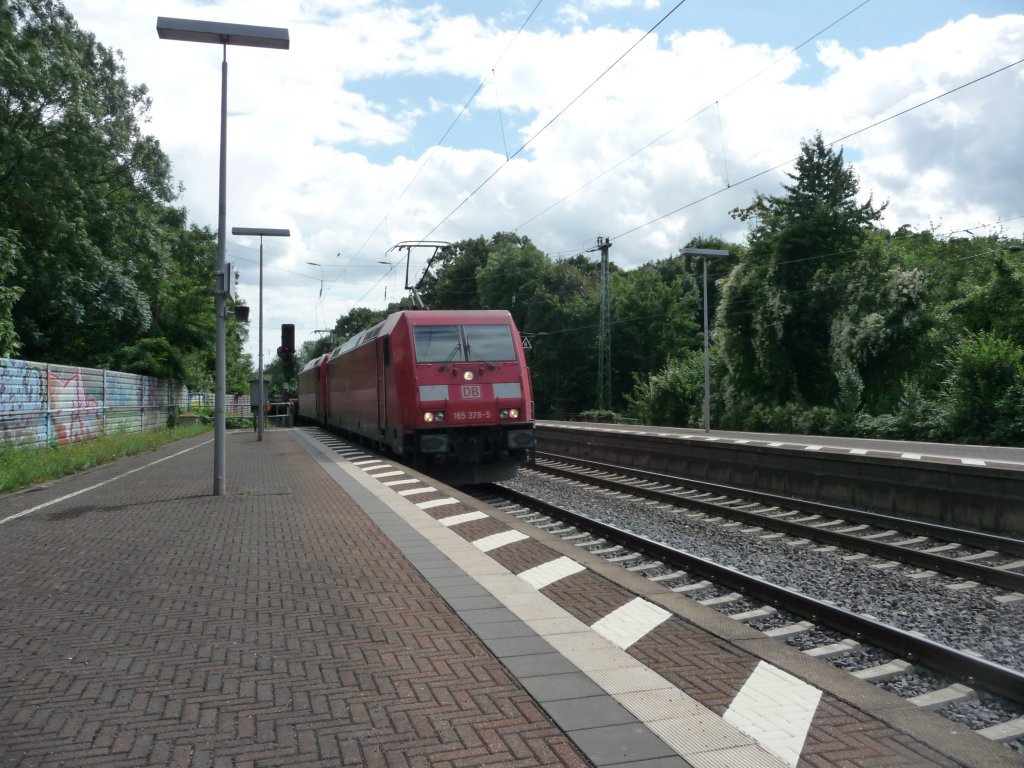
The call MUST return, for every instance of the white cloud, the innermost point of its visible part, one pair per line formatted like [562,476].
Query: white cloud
[321,137]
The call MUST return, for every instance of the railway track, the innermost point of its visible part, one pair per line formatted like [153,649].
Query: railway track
[906,651]
[932,548]
[987,699]
[966,487]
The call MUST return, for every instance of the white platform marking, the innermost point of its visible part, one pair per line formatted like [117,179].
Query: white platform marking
[487,543]
[466,517]
[437,503]
[392,473]
[548,573]
[695,732]
[45,504]
[776,709]
[627,624]
[414,491]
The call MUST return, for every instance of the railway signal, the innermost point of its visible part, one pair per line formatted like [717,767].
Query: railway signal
[287,348]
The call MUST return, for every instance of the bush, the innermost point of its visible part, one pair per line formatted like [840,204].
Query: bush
[980,396]
[605,416]
[672,397]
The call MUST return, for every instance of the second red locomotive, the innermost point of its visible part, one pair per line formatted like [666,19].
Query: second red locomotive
[447,391]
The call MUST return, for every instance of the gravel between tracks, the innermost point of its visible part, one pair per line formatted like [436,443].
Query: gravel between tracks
[968,620]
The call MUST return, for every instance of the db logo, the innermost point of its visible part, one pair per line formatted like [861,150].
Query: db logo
[470,391]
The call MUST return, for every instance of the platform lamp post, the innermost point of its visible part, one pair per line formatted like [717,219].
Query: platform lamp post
[261,232]
[706,253]
[194,31]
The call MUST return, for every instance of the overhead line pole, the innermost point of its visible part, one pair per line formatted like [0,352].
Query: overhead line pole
[604,337]
[705,254]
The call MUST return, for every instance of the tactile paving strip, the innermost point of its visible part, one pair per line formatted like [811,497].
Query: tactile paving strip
[712,703]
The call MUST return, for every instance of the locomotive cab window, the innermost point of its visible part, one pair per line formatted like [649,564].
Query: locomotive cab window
[457,344]
[490,342]
[438,343]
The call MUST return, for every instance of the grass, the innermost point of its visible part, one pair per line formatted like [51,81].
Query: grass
[22,467]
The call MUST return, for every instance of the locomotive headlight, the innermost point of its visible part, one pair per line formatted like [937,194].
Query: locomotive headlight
[428,417]
[467,375]
[508,413]
[432,416]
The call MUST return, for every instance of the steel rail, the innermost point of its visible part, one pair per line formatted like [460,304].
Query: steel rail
[970,670]
[963,536]
[950,566]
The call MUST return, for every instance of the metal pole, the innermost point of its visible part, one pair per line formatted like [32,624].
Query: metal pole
[220,391]
[259,418]
[707,362]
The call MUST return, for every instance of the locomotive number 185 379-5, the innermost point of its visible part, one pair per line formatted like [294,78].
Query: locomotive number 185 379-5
[470,415]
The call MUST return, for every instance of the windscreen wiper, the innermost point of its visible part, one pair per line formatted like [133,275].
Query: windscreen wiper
[451,356]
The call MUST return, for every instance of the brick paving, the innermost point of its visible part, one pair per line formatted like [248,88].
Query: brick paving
[148,622]
[713,670]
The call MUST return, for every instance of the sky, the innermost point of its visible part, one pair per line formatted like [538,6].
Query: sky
[642,121]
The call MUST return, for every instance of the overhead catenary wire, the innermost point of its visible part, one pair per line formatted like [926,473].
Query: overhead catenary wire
[776,167]
[557,115]
[832,143]
[509,157]
[440,142]
[795,292]
[693,116]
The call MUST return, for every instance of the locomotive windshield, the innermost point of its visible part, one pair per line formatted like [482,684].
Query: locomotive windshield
[489,342]
[454,343]
[437,343]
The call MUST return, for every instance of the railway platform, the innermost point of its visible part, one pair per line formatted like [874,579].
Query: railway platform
[334,609]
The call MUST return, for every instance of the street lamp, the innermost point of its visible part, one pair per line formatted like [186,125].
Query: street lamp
[191,30]
[262,233]
[706,253]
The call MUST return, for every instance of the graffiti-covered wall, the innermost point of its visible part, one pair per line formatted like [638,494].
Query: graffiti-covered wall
[41,404]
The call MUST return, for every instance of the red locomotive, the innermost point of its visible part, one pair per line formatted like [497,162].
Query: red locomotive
[447,391]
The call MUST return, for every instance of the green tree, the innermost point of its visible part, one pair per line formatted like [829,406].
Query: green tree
[877,326]
[652,321]
[775,319]
[9,294]
[181,340]
[983,393]
[357,319]
[992,296]
[512,275]
[561,323]
[312,348]
[449,281]
[672,396]
[82,185]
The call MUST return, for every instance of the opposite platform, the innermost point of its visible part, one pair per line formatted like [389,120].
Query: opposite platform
[327,611]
